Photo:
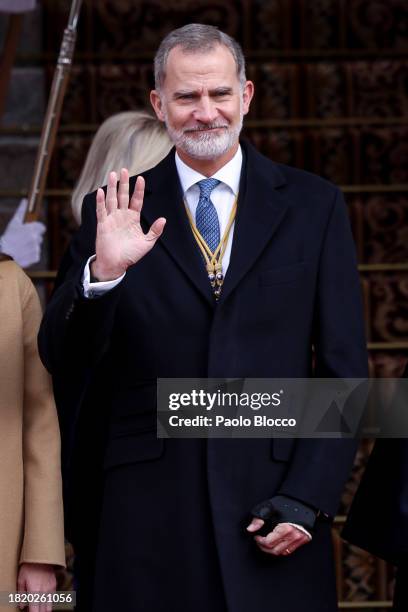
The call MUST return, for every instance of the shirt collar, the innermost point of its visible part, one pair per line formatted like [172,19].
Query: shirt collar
[228,174]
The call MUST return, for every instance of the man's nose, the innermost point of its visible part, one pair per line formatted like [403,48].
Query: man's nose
[206,110]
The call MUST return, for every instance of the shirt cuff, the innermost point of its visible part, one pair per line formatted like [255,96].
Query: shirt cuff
[94,290]
[302,529]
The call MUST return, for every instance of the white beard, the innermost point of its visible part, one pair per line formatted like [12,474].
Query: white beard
[205,144]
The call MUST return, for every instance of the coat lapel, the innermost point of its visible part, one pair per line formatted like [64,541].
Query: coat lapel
[164,198]
[261,208]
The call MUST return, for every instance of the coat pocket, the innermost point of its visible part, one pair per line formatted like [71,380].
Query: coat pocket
[282,276]
[282,448]
[132,449]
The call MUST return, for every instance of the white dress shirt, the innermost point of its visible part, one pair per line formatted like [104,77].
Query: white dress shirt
[223,197]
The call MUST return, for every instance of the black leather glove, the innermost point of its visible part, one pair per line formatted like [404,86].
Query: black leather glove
[281,509]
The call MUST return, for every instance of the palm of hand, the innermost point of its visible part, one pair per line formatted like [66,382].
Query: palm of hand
[120,240]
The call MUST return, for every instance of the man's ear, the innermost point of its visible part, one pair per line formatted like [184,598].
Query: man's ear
[156,102]
[247,96]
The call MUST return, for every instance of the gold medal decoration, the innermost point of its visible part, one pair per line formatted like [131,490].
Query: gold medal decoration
[213,261]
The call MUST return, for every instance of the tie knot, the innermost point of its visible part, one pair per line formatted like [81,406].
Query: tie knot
[206,186]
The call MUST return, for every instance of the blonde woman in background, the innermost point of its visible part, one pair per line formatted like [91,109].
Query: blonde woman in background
[31,517]
[133,139]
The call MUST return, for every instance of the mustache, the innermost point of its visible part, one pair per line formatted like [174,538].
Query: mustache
[205,126]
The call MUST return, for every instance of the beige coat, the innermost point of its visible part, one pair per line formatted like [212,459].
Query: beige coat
[31,517]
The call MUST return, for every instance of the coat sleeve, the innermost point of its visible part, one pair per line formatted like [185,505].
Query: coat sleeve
[75,330]
[320,467]
[43,538]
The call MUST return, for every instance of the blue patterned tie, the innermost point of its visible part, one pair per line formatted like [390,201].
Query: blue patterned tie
[206,216]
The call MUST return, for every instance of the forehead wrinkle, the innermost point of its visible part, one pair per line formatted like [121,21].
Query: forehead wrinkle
[210,54]
[217,64]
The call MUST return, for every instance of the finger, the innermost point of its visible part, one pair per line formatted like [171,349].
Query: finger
[33,243]
[37,227]
[272,549]
[136,202]
[262,541]
[111,193]
[282,548]
[255,524]
[264,549]
[156,230]
[123,194]
[279,533]
[287,548]
[101,213]
[20,211]
[32,258]
[301,542]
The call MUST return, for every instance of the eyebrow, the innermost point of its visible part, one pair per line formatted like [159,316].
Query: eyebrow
[218,91]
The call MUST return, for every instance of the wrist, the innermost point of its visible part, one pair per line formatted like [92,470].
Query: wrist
[282,509]
[100,273]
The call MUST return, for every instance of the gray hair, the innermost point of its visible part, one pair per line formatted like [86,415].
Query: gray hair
[196,38]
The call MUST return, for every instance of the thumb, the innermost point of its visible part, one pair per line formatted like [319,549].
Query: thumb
[156,229]
[18,216]
[255,524]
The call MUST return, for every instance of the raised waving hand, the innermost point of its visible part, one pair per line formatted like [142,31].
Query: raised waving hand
[120,240]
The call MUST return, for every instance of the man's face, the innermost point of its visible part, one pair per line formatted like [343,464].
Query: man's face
[202,102]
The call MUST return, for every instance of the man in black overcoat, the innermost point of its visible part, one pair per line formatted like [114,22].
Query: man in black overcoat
[179,521]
